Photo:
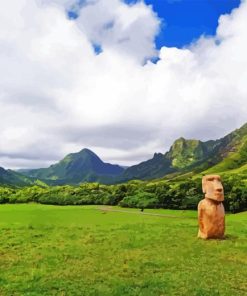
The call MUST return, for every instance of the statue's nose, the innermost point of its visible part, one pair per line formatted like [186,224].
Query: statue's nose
[219,189]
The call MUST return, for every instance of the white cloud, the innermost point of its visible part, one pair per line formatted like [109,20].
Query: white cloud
[129,30]
[57,96]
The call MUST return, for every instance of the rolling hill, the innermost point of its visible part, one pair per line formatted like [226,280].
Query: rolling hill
[12,178]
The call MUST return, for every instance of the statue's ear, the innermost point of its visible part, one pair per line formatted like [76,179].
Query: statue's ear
[204,184]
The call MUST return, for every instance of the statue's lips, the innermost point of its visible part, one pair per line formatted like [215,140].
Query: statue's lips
[219,196]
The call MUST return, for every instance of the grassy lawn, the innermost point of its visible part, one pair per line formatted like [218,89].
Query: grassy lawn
[51,250]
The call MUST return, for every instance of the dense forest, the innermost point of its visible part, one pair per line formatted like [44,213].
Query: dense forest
[169,194]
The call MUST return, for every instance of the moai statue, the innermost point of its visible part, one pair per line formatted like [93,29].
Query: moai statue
[211,212]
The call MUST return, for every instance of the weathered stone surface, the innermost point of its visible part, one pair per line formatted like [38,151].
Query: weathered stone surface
[211,213]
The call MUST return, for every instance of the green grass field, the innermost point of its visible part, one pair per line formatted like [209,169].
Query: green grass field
[51,250]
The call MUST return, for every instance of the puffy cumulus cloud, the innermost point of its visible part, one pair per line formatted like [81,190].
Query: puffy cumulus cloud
[58,96]
[112,24]
[130,30]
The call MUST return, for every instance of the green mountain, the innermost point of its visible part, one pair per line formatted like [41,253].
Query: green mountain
[182,156]
[186,153]
[230,155]
[11,178]
[191,157]
[227,155]
[84,166]
[153,168]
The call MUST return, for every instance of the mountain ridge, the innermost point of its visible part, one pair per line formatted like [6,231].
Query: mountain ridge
[12,178]
[186,157]
[195,156]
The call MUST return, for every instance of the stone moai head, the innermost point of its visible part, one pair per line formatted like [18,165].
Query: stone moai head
[212,187]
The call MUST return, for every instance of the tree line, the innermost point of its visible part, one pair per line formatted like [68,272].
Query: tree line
[184,194]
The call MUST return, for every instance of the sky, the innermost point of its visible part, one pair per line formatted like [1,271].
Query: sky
[184,21]
[124,79]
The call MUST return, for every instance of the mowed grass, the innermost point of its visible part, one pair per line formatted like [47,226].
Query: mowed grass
[51,250]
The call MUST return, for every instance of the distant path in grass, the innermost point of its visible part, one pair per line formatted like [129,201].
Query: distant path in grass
[111,209]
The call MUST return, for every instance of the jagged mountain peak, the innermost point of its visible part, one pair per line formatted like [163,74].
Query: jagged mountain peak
[186,152]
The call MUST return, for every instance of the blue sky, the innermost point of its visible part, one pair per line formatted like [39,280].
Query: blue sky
[186,20]
[183,21]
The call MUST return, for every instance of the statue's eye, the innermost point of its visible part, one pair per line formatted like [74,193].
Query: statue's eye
[210,179]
